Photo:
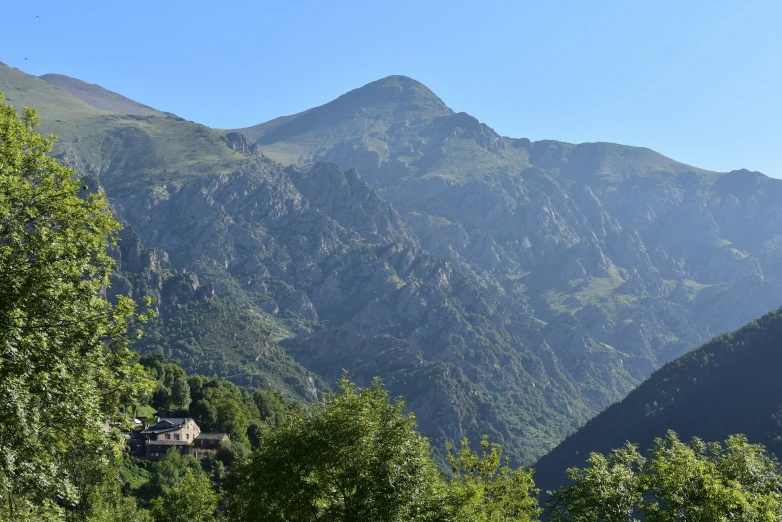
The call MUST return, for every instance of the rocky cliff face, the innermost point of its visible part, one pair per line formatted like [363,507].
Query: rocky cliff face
[321,252]
[201,331]
[614,248]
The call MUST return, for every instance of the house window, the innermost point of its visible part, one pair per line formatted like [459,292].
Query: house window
[188,436]
[168,435]
[176,436]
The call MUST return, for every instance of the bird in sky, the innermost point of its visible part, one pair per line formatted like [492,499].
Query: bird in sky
[37,16]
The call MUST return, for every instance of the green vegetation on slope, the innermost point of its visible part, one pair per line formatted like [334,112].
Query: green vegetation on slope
[214,337]
[125,151]
[98,97]
[730,385]
[697,481]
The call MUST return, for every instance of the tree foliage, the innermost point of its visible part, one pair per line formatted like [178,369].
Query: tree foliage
[64,369]
[484,488]
[697,482]
[729,385]
[192,500]
[357,457]
[608,489]
[107,503]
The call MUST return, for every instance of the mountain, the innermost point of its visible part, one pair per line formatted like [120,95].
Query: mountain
[317,257]
[729,385]
[391,130]
[619,253]
[504,287]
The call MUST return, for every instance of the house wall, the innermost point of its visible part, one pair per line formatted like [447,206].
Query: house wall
[158,451]
[181,439]
[186,433]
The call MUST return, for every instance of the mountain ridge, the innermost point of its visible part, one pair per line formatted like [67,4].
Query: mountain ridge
[98,97]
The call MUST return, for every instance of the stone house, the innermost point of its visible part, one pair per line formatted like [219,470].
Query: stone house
[206,444]
[167,433]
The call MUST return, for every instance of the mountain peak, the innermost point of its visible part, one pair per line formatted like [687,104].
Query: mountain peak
[366,111]
[398,87]
[399,94]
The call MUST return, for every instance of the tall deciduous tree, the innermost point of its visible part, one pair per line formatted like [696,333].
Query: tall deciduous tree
[357,457]
[484,488]
[702,482]
[63,367]
[608,489]
[192,500]
[696,482]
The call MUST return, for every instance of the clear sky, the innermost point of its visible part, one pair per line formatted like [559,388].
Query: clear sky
[699,81]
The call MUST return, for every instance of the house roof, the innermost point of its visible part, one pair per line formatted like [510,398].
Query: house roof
[212,436]
[167,424]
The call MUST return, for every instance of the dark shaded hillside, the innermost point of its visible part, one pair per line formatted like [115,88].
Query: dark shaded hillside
[730,385]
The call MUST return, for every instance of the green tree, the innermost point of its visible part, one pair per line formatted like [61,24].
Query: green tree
[608,489]
[484,488]
[356,457]
[205,413]
[695,482]
[231,451]
[254,434]
[169,472]
[232,420]
[63,368]
[192,500]
[271,405]
[107,503]
[702,482]
[180,390]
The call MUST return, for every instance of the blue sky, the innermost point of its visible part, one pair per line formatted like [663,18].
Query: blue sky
[696,81]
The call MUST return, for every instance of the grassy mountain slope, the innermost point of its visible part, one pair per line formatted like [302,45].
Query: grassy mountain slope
[608,165]
[397,122]
[202,332]
[729,385]
[98,97]
[125,151]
